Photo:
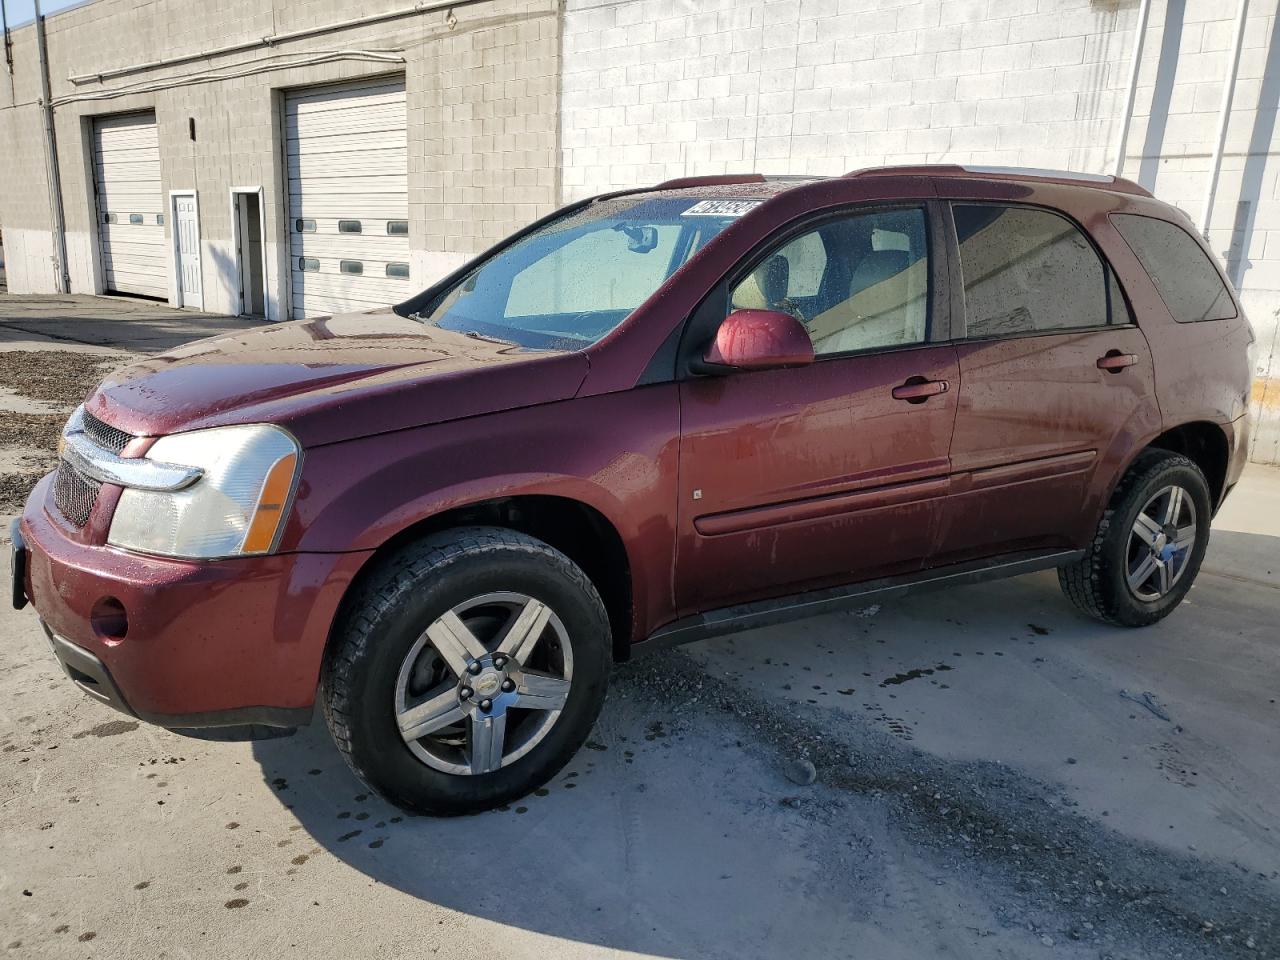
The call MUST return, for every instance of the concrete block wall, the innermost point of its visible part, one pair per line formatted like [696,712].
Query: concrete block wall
[482,102]
[653,89]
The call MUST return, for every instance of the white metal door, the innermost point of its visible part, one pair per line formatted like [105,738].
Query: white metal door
[348,197]
[186,228]
[126,169]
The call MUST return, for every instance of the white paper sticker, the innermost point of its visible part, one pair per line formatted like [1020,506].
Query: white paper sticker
[721,208]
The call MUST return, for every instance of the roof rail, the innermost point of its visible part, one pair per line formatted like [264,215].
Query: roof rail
[909,170]
[1102,181]
[725,179]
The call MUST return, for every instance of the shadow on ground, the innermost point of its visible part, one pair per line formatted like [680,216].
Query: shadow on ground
[120,323]
[675,832]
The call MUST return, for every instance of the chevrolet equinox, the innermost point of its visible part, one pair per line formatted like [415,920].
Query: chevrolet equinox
[654,416]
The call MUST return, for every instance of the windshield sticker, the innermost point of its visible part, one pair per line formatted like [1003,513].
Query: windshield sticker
[721,208]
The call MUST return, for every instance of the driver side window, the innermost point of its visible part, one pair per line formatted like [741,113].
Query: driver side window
[859,282]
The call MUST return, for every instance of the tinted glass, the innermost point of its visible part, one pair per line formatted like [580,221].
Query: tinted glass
[349,226]
[857,283]
[571,281]
[398,228]
[397,270]
[304,226]
[351,266]
[1189,284]
[1027,271]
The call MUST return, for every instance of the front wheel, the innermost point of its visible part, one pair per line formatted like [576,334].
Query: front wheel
[468,670]
[1149,544]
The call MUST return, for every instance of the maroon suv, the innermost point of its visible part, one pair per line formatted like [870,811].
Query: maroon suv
[655,416]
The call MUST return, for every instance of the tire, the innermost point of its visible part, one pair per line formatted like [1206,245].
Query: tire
[1100,582]
[382,661]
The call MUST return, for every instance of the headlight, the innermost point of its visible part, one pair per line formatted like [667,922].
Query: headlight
[237,506]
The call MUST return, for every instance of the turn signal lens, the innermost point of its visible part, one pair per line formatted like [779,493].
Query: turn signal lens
[270,512]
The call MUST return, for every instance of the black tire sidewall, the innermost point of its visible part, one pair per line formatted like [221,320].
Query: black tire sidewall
[385,761]
[1128,608]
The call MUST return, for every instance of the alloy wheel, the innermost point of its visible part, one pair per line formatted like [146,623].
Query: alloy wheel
[1161,542]
[484,684]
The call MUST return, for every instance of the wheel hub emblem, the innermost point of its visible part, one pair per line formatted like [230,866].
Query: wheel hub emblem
[487,684]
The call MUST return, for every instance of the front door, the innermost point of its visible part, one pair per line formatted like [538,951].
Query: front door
[187,229]
[1056,383]
[834,472]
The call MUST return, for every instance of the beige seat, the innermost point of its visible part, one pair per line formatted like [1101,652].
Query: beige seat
[886,306]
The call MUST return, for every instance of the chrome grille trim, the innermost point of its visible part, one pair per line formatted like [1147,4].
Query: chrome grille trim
[105,466]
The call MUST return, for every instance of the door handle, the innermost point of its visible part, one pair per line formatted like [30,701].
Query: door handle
[919,389]
[1115,361]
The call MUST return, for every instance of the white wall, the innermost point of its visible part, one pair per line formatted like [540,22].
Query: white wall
[662,88]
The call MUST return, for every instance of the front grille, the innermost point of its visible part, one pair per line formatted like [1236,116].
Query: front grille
[104,435]
[74,493]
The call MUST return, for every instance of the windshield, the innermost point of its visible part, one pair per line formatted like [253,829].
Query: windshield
[569,283]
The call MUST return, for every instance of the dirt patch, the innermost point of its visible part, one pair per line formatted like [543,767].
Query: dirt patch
[14,488]
[54,380]
[55,376]
[32,431]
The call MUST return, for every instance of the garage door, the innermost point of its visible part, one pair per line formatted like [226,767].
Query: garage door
[126,171]
[348,198]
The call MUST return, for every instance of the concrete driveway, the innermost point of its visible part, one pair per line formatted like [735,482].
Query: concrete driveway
[995,777]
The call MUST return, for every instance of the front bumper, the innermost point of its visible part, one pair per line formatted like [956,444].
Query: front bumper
[208,644]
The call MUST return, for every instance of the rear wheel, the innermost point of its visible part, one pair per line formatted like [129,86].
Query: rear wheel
[1149,544]
[469,669]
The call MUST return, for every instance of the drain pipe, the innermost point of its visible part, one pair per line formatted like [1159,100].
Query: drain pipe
[1139,38]
[62,277]
[8,40]
[1224,116]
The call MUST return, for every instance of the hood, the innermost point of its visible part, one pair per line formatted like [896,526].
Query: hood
[333,378]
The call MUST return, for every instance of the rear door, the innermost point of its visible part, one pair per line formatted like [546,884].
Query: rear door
[833,472]
[1056,383]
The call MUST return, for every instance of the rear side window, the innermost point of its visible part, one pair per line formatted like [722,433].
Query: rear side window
[1187,280]
[1028,271]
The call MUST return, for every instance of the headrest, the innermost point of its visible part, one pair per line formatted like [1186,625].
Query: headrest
[878,266]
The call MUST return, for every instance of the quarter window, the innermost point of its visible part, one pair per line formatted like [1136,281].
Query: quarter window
[1027,271]
[857,283]
[1187,281]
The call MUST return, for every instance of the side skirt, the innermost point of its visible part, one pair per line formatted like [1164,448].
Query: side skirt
[763,613]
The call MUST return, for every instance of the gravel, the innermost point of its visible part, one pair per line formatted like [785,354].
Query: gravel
[1044,867]
[802,772]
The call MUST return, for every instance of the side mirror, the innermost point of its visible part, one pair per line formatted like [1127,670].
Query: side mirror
[759,340]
